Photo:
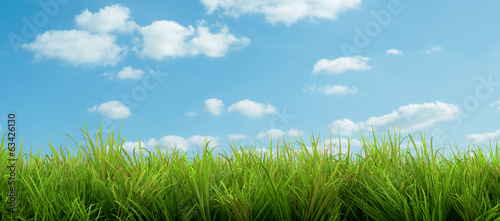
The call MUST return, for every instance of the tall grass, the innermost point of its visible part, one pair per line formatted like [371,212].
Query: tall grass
[102,181]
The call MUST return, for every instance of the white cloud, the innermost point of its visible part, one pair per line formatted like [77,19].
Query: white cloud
[411,117]
[485,138]
[272,132]
[433,49]
[237,136]
[0,128]
[295,133]
[394,52]
[191,114]
[342,64]
[214,106]
[496,105]
[108,19]
[252,109]
[77,47]
[112,109]
[164,39]
[130,73]
[108,75]
[331,89]
[344,126]
[279,11]
[198,140]
[214,45]
[124,74]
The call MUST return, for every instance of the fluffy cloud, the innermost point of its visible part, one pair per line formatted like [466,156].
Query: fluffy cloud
[214,106]
[272,132]
[433,49]
[410,117]
[331,89]
[394,52]
[130,73]
[342,64]
[125,73]
[191,114]
[251,109]
[288,12]
[237,136]
[77,47]
[109,19]
[112,109]
[485,138]
[173,142]
[164,39]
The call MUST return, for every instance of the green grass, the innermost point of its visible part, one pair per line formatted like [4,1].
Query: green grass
[103,182]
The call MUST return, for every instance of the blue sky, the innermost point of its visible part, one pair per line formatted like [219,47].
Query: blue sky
[177,72]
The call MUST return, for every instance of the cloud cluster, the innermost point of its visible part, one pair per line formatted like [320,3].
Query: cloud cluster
[173,142]
[112,109]
[164,39]
[94,42]
[411,117]
[245,107]
[287,12]
[342,64]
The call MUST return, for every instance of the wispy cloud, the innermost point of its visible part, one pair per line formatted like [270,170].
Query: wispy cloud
[410,117]
[331,89]
[191,114]
[496,105]
[237,136]
[394,52]
[274,133]
[127,73]
[288,12]
[484,138]
[433,49]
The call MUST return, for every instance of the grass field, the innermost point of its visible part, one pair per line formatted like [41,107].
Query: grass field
[104,182]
